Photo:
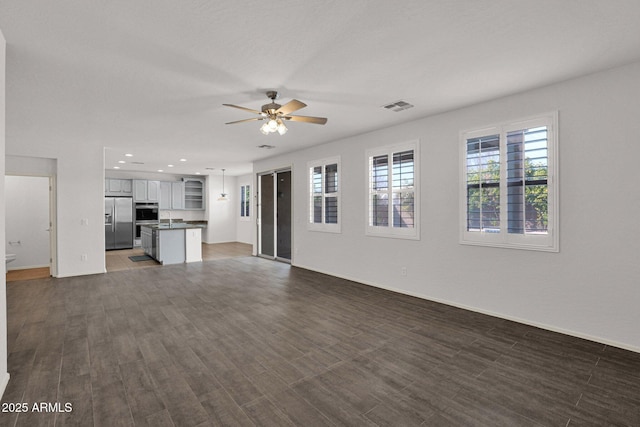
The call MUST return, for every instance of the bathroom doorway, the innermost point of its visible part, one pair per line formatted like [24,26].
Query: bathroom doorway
[30,234]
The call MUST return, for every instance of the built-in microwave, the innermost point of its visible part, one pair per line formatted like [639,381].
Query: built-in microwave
[146,212]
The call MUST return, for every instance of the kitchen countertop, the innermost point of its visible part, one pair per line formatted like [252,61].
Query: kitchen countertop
[173,226]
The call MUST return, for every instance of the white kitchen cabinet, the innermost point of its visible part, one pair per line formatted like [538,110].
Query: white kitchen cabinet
[170,246]
[139,190]
[146,236]
[153,191]
[172,195]
[146,191]
[165,195]
[118,187]
[193,244]
[177,195]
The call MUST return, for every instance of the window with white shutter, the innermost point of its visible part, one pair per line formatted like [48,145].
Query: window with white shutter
[245,201]
[324,195]
[510,188]
[392,195]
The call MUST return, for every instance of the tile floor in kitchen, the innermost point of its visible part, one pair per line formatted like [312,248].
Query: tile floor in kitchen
[118,260]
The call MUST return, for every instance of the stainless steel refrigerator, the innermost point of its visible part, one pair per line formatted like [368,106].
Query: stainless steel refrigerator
[118,222]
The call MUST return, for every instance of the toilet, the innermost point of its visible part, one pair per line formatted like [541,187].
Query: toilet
[10,257]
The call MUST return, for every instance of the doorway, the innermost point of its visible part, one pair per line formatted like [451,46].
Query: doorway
[274,215]
[30,234]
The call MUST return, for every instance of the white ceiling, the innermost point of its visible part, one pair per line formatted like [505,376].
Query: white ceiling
[149,77]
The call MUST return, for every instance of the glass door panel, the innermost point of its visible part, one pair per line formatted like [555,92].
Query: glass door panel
[266,215]
[283,215]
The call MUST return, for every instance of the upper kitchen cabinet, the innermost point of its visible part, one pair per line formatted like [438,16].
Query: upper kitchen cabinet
[146,191]
[118,187]
[193,193]
[172,195]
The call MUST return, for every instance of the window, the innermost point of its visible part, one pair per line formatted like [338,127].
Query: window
[392,196]
[324,195]
[245,201]
[510,189]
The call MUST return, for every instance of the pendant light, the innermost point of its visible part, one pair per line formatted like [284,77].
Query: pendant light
[223,195]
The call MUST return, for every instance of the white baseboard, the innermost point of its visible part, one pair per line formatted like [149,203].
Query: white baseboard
[4,380]
[487,312]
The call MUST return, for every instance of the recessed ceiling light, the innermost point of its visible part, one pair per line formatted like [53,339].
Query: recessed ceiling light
[121,161]
[128,155]
[160,170]
[183,160]
[116,167]
[197,173]
[170,166]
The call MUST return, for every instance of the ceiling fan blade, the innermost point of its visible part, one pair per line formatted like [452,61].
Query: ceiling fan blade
[290,107]
[245,120]
[243,108]
[307,119]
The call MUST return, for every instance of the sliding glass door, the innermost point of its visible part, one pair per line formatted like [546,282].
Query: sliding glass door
[274,225]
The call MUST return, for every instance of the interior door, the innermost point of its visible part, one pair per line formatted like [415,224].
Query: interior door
[274,225]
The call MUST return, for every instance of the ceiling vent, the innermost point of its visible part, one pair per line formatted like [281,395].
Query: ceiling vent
[266,146]
[398,106]
[137,163]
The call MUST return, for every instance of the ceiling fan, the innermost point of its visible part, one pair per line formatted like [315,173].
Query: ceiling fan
[276,114]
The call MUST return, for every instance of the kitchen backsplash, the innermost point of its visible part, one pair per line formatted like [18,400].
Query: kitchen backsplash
[183,215]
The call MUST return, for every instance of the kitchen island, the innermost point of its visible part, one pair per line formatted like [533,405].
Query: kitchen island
[172,243]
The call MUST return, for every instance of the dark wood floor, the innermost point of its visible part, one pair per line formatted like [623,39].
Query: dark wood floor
[247,341]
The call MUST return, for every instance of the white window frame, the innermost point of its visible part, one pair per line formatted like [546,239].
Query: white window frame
[244,217]
[323,226]
[548,242]
[389,231]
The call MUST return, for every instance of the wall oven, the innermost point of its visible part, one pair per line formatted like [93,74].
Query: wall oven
[146,213]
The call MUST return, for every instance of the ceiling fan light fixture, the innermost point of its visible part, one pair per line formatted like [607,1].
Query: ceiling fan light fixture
[282,129]
[274,115]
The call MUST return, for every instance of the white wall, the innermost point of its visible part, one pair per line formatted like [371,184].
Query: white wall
[4,374]
[221,215]
[588,289]
[244,227]
[27,221]
[79,183]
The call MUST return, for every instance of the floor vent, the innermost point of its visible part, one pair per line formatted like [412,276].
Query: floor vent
[398,106]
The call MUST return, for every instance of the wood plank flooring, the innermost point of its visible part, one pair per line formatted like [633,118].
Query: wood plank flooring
[28,274]
[250,342]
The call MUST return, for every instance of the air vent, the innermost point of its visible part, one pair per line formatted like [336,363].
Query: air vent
[398,106]
[266,146]
[210,169]
[137,163]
